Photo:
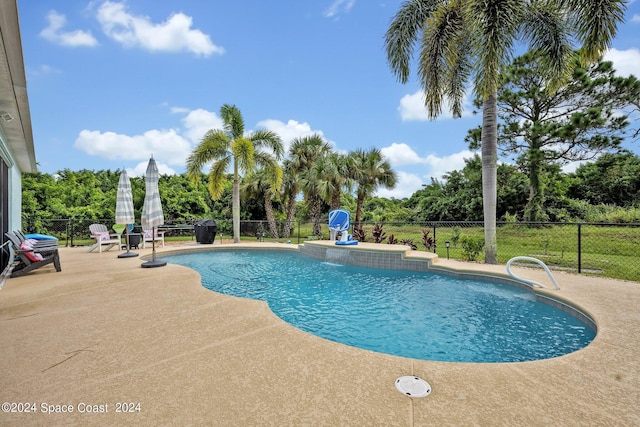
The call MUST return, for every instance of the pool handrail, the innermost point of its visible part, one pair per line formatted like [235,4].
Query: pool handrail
[531,282]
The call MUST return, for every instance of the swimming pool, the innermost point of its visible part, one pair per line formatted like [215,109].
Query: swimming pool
[412,314]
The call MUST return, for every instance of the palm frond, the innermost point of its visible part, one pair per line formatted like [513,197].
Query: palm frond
[233,121]
[595,23]
[275,177]
[403,33]
[269,139]
[243,151]
[214,146]
[495,26]
[441,59]
[547,31]
[304,150]
[459,72]
[218,177]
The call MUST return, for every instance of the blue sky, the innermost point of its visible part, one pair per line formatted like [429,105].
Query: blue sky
[112,82]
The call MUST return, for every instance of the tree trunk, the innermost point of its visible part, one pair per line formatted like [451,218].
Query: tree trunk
[291,213]
[489,177]
[316,208]
[359,204]
[271,219]
[534,210]
[235,203]
[335,199]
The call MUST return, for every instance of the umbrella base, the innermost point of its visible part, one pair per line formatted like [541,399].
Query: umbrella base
[127,255]
[154,263]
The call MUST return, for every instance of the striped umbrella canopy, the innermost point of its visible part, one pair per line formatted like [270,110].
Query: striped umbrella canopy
[124,201]
[152,215]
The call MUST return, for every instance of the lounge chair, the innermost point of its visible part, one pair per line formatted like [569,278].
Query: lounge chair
[150,236]
[40,241]
[339,222]
[101,235]
[29,258]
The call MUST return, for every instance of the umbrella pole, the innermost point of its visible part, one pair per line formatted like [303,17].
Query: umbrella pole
[127,254]
[153,262]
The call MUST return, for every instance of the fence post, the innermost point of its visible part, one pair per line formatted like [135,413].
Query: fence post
[579,248]
[67,227]
[434,237]
[72,226]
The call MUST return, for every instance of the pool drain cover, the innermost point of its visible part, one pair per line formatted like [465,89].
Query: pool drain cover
[413,386]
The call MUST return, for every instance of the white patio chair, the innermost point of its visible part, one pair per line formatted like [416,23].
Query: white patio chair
[101,234]
[150,236]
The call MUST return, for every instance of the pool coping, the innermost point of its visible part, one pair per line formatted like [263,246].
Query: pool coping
[105,329]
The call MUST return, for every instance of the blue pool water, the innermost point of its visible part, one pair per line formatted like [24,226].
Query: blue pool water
[419,315]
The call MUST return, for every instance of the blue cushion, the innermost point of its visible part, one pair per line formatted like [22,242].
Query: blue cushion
[37,236]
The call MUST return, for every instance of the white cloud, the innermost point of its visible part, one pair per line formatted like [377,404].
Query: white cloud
[441,165]
[141,169]
[173,35]
[338,7]
[198,122]
[173,146]
[406,185]
[404,160]
[412,108]
[54,32]
[43,70]
[176,109]
[289,131]
[165,145]
[625,62]
[400,154]
[635,18]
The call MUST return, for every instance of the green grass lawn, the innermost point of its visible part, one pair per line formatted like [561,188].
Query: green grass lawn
[610,251]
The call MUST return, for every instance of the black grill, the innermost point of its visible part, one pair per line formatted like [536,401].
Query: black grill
[205,231]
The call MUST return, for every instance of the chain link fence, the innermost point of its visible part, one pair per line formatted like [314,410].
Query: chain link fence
[611,250]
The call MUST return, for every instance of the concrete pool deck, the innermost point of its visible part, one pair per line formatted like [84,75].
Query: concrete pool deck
[104,332]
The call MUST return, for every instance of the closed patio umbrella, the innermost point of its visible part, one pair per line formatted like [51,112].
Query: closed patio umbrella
[124,209]
[152,215]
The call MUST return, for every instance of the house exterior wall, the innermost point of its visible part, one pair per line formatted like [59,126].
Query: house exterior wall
[17,154]
[13,187]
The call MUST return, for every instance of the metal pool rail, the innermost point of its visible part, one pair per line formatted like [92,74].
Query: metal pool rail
[531,282]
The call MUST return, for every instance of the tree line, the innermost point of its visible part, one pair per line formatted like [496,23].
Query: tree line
[605,190]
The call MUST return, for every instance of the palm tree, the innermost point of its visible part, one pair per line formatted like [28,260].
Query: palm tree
[317,184]
[290,190]
[226,148]
[339,179]
[460,39]
[303,153]
[265,183]
[370,171]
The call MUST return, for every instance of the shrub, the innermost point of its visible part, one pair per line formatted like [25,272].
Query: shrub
[471,247]
[378,233]
[392,240]
[455,237]
[409,242]
[358,233]
[428,241]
